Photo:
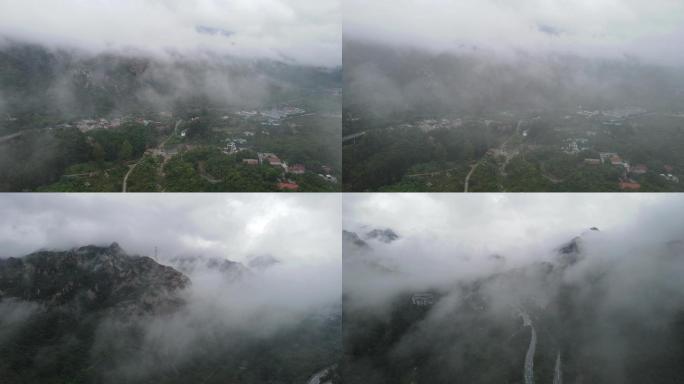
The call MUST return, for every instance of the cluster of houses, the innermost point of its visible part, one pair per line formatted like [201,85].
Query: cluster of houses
[235,146]
[667,175]
[272,117]
[428,125]
[271,159]
[612,116]
[575,145]
[86,125]
[626,181]
[670,177]
[588,114]
[425,125]
[623,113]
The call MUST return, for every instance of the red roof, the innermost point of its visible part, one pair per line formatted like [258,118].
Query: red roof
[273,160]
[296,168]
[250,161]
[615,160]
[288,186]
[630,186]
[668,168]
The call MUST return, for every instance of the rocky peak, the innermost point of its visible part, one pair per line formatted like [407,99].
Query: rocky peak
[92,276]
[571,252]
[262,262]
[232,270]
[386,235]
[353,239]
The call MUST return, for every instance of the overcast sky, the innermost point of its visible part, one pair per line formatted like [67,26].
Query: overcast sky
[302,31]
[650,29]
[513,225]
[293,228]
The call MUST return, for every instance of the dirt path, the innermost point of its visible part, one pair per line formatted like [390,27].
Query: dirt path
[548,176]
[203,174]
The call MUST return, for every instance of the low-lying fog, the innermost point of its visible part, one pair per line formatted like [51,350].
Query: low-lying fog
[288,279]
[443,239]
[593,277]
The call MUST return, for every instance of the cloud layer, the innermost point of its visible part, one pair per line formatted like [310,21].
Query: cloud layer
[299,31]
[602,28]
[499,223]
[296,229]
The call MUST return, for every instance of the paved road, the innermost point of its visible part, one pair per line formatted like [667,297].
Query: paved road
[528,372]
[10,137]
[558,373]
[467,179]
[130,170]
[353,136]
[316,378]
[502,148]
[435,173]
[159,147]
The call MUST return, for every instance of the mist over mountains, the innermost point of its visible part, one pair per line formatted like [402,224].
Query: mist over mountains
[97,314]
[602,307]
[389,83]
[197,288]
[294,31]
[70,83]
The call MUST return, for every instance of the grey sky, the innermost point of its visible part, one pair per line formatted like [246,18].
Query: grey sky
[301,31]
[445,238]
[649,29]
[513,225]
[298,229]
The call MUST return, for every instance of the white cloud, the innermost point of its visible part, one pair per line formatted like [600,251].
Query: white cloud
[513,225]
[298,229]
[301,31]
[587,27]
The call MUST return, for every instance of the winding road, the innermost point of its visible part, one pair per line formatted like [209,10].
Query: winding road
[467,179]
[130,170]
[557,372]
[159,147]
[528,372]
[316,378]
[502,147]
[435,173]
[10,137]
[352,136]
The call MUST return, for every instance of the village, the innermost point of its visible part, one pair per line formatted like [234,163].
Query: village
[554,149]
[242,141]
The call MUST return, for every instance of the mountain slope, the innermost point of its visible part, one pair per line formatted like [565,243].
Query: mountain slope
[95,277]
[579,317]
